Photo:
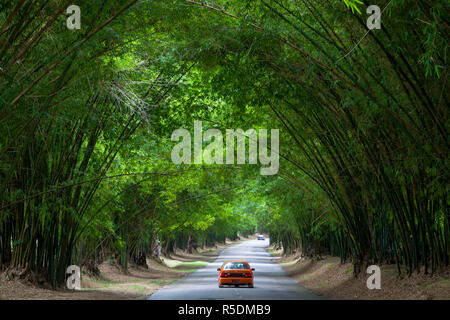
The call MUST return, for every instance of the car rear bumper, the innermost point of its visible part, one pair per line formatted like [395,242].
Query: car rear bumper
[229,281]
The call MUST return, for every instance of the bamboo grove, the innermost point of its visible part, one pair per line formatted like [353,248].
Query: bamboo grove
[377,139]
[86,118]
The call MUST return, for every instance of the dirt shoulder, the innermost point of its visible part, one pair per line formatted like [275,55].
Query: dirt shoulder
[114,284]
[328,277]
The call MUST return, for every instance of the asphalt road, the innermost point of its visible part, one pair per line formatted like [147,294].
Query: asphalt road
[270,280]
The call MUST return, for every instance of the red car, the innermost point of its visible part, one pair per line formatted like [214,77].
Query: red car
[235,273]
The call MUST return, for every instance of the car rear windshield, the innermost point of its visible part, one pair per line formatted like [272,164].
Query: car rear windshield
[236,265]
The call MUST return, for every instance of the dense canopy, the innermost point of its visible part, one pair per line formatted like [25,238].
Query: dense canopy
[87,117]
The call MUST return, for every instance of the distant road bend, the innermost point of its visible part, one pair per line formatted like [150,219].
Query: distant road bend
[271,281]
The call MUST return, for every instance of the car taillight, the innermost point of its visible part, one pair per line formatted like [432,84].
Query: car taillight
[247,275]
[224,275]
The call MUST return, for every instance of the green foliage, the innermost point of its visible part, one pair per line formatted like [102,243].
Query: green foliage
[353,5]
[86,118]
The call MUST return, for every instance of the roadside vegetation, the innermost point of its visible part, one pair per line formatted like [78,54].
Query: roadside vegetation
[114,283]
[331,278]
[86,118]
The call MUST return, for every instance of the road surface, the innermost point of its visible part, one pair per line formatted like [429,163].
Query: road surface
[271,281]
